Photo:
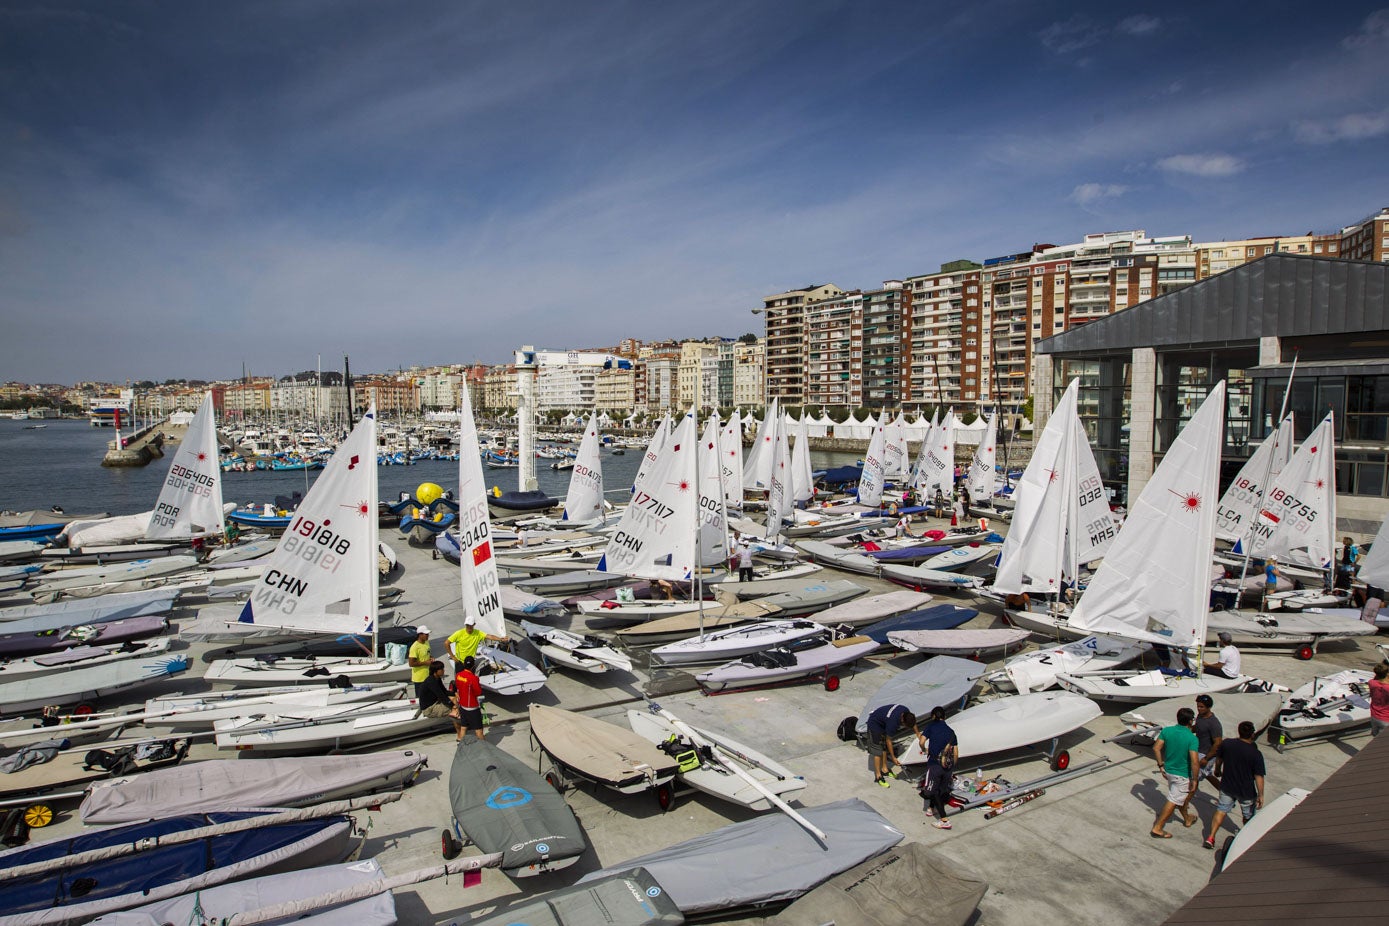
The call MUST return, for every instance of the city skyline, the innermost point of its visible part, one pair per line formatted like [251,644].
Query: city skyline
[187,188]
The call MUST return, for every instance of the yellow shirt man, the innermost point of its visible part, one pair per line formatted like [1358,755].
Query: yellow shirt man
[420,656]
[464,643]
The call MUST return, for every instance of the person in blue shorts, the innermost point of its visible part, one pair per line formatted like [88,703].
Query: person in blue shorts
[883,724]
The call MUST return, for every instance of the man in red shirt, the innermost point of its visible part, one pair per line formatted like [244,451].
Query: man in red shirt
[468,690]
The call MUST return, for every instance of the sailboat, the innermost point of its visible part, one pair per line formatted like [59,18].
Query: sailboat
[731,461]
[1153,583]
[894,448]
[1061,521]
[757,469]
[584,503]
[874,476]
[1296,522]
[322,576]
[499,671]
[190,501]
[983,475]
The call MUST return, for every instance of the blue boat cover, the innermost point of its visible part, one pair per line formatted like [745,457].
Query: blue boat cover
[937,617]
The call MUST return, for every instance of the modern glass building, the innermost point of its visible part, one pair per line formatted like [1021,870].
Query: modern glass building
[1144,370]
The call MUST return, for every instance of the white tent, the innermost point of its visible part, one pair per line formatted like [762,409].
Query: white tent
[970,433]
[852,429]
[569,418]
[916,430]
[822,426]
[604,420]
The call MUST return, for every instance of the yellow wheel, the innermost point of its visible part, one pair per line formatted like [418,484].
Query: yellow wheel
[38,815]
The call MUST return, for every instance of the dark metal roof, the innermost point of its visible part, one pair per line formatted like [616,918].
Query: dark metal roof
[1287,295]
[1323,863]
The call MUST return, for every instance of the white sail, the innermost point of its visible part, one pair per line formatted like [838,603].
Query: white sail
[713,513]
[780,502]
[585,499]
[1089,524]
[895,448]
[656,537]
[870,481]
[1031,560]
[322,576]
[938,465]
[1297,522]
[983,474]
[731,461]
[1240,503]
[1374,565]
[1154,584]
[481,590]
[190,502]
[802,476]
[914,478]
[757,472]
[653,451]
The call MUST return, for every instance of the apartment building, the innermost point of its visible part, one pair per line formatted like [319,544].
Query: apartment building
[698,382]
[566,387]
[784,315]
[884,323]
[832,330]
[662,383]
[748,374]
[391,395]
[499,388]
[1367,239]
[615,390]
[248,397]
[941,358]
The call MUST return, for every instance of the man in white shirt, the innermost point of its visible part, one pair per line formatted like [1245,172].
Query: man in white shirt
[744,562]
[1229,664]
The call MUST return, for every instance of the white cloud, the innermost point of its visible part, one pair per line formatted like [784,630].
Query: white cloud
[1139,24]
[1350,127]
[1374,30]
[1090,194]
[1203,165]
[1072,35]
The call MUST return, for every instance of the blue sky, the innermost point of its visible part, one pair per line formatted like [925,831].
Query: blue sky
[188,186]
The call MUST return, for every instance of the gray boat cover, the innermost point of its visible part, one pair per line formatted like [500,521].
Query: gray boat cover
[34,618]
[941,681]
[766,860]
[218,903]
[908,884]
[231,784]
[623,898]
[503,806]
[814,596]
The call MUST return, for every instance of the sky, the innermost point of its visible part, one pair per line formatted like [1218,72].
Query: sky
[190,187]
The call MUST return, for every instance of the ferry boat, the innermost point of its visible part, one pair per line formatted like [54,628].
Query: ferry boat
[109,410]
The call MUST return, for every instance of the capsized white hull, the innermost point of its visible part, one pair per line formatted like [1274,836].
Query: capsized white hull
[582,653]
[201,711]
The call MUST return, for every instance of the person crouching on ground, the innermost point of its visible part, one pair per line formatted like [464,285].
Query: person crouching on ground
[434,700]
[1175,750]
[883,724]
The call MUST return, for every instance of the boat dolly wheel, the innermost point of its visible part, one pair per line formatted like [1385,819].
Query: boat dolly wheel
[1061,761]
[1304,652]
[831,682]
[555,779]
[38,815]
[451,845]
[665,796]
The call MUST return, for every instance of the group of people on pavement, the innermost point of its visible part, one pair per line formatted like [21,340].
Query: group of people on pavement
[938,744]
[1195,748]
[461,701]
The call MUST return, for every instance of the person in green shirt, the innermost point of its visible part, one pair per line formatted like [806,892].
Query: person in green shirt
[1175,750]
[420,657]
[464,643]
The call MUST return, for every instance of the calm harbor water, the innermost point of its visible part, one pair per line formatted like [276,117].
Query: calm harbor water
[61,465]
